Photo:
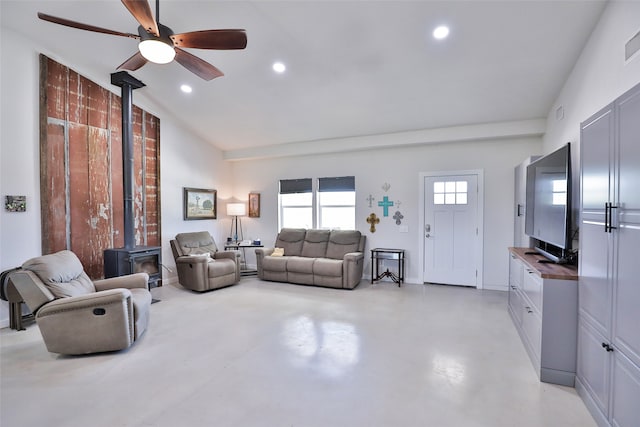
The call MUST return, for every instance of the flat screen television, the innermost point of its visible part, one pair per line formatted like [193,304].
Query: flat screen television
[548,211]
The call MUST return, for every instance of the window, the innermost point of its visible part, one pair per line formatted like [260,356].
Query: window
[450,193]
[296,203]
[334,205]
[337,203]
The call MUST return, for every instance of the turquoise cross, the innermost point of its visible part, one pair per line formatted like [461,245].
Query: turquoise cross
[385,203]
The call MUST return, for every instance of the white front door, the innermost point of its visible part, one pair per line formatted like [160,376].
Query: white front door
[451,230]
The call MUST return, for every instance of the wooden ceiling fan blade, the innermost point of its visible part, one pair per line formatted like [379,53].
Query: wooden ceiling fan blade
[133,63]
[212,39]
[141,10]
[81,26]
[197,66]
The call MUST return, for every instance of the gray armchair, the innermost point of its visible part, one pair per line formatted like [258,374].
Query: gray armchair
[201,267]
[76,315]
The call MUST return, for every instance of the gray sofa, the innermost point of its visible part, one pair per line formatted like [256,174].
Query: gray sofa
[327,258]
[76,315]
[201,266]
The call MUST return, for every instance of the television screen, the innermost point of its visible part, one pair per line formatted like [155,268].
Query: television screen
[548,210]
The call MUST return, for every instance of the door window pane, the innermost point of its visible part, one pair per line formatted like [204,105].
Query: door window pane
[450,193]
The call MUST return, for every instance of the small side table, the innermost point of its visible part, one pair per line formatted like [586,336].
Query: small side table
[244,271]
[378,254]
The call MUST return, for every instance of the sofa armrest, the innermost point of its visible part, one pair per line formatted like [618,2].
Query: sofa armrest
[96,322]
[352,269]
[232,255]
[263,252]
[82,302]
[353,256]
[260,254]
[129,281]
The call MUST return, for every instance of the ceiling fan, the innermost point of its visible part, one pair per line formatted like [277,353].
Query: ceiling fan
[159,44]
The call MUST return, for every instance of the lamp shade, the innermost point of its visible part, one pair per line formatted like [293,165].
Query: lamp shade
[236,209]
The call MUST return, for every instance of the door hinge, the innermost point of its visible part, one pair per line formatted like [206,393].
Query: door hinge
[476,273]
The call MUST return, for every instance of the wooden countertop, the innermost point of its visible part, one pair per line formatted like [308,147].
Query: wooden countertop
[546,270]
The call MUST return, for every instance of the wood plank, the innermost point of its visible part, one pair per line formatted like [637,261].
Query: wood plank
[79,195]
[98,104]
[100,212]
[117,194]
[54,201]
[151,130]
[77,99]
[138,167]
[56,90]
[546,270]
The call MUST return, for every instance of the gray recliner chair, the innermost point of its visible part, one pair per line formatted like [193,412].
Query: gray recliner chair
[201,266]
[76,315]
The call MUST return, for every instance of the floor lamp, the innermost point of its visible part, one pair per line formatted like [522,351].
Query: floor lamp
[236,210]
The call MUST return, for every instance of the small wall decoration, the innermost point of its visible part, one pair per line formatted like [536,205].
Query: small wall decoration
[15,203]
[398,217]
[200,203]
[386,186]
[373,220]
[385,203]
[254,205]
[370,199]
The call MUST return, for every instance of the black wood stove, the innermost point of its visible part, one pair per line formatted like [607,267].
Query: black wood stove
[131,258]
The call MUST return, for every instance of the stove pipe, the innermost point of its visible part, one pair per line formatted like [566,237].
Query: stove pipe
[128,84]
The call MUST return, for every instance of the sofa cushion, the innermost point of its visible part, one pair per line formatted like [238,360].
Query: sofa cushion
[342,242]
[199,242]
[291,240]
[275,263]
[62,273]
[300,264]
[328,267]
[315,243]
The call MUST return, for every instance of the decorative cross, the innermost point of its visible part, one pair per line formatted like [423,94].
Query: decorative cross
[370,199]
[398,203]
[398,217]
[385,204]
[373,220]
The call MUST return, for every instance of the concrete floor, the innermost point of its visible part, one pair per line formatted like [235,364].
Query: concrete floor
[273,354]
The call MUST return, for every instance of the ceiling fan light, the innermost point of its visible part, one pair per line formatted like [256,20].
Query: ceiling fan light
[157,51]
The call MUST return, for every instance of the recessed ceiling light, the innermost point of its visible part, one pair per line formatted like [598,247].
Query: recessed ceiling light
[441,32]
[186,88]
[279,67]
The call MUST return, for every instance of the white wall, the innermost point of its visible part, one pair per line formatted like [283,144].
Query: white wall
[400,167]
[600,75]
[186,160]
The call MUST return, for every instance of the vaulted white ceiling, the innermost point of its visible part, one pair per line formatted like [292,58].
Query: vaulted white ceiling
[354,68]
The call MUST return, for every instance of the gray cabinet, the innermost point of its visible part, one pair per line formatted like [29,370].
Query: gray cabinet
[543,304]
[520,239]
[608,371]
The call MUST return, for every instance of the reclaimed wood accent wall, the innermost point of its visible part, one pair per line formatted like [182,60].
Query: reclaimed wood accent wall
[81,187]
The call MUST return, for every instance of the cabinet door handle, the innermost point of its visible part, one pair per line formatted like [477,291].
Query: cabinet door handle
[607,347]
[608,217]
[529,310]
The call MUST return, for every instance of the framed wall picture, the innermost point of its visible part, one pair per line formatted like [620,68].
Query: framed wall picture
[200,203]
[254,205]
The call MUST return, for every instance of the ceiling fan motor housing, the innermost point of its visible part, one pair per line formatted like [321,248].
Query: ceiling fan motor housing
[165,34]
